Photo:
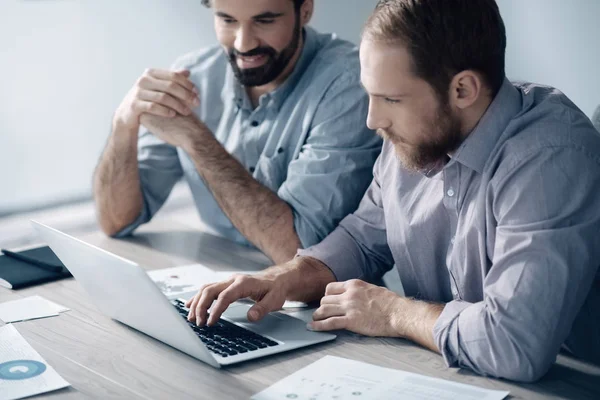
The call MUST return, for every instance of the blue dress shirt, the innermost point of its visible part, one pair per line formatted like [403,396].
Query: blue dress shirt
[307,140]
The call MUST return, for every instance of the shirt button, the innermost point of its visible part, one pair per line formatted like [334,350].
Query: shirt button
[452,240]
[254,123]
[252,169]
[450,192]
[280,150]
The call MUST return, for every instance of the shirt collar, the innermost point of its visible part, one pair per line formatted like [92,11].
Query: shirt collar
[276,97]
[477,147]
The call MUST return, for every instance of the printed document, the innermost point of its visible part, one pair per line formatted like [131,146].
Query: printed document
[341,378]
[28,308]
[23,372]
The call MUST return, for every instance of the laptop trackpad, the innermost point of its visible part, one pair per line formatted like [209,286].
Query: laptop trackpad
[238,313]
[280,326]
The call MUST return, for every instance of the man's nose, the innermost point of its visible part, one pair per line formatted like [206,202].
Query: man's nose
[375,119]
[245,40]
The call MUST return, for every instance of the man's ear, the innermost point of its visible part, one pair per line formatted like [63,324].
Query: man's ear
[306,11]
[466,88]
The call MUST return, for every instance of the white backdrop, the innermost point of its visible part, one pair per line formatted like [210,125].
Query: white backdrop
[556,42]
[66,64]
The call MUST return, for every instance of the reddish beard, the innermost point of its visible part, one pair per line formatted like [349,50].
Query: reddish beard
[441,136]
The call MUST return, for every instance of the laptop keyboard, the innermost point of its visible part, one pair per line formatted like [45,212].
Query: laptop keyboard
[224,338]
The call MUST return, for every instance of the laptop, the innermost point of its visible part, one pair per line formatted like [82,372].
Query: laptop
[115,283]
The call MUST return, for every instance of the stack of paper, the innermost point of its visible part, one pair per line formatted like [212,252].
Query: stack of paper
[23,372]
[32,307]
[340,378]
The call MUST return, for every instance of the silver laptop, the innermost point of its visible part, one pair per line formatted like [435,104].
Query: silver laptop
[117,286]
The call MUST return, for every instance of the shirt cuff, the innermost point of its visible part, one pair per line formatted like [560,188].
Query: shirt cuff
[445,331]
[338,251]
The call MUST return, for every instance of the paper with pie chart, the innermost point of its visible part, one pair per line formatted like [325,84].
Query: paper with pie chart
[335,378]
[23,372]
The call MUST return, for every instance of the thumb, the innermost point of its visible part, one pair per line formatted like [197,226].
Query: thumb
[272,301]
[183,72]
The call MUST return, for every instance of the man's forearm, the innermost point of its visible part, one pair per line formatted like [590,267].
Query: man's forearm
[256,211]
[117,190]
[415,321]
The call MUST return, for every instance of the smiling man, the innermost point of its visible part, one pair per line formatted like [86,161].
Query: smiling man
[267,129]
[485,198]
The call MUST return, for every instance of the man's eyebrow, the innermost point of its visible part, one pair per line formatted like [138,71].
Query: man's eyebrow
[268,15]
[382,94]
[265,15]
[223,15]
[391,96]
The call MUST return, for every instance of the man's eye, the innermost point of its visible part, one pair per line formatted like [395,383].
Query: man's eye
[228,20]
[265,21]
[391,101]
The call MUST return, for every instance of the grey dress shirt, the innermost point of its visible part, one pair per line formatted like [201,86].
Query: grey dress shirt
[507,234]
[307,140]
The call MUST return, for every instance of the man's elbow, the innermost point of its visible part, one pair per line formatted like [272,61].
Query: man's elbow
[113,223]
[518,364]
[525,372]
[109,228]
[114,227]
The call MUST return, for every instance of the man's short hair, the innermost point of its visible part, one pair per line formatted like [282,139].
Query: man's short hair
[444,37]
[297,3]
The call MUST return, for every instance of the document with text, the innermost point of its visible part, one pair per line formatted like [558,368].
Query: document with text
[23,372]
[341,378]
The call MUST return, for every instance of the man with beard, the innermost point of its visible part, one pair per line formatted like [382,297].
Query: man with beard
[267,129]
[485,198]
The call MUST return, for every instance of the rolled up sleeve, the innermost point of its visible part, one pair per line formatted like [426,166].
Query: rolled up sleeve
[546,254]
[358,248]
[334,168]
[159,170]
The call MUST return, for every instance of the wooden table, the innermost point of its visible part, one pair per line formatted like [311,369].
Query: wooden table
[102,358]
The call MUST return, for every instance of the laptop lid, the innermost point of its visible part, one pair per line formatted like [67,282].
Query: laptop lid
[118,286]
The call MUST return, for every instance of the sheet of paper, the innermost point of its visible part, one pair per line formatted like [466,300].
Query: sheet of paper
[57,307]
[340,378]
[178,281]
[184,282]
[28,308]
[23,372]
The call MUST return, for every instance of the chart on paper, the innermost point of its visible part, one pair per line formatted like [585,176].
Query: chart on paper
[23,372]
[334,378]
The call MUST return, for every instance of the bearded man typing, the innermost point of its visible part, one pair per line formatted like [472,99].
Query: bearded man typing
[485,198]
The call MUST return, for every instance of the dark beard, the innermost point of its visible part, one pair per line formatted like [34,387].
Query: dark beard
[274,65]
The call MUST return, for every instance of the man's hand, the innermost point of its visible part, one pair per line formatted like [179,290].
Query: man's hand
[359,307]
[179,131]
[157,92]
[376,311]
[269,292]
[300,279]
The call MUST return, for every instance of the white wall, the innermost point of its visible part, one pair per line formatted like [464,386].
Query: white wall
[556,42]
[66,64]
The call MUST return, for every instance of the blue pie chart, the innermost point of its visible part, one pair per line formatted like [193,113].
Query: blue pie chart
[21,369]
